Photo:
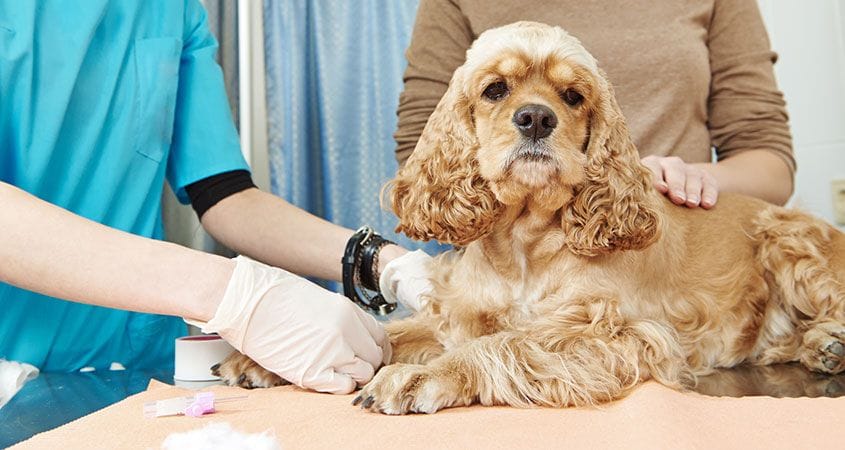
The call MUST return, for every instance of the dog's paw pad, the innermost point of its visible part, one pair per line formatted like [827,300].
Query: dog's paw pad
[836,348]
[824,348]
[834,389]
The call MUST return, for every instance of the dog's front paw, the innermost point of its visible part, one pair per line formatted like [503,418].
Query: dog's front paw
[239,370]
[409,388]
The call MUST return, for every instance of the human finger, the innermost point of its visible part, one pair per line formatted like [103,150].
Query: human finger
[692,186]
[330,381]
[709,191]
[652,163]
[358,370]
[675,174]
[378,335]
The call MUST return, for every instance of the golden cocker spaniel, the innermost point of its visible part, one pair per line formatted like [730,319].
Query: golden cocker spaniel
[576,280]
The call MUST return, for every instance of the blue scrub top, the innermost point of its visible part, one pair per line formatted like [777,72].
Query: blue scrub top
[100,101]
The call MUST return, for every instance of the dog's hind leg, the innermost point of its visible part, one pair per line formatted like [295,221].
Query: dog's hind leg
[581,353]
[806,259]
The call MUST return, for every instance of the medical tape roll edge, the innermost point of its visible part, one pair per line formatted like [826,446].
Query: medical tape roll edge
[196,354]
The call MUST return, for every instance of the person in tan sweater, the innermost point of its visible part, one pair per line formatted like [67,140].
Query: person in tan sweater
[690,76]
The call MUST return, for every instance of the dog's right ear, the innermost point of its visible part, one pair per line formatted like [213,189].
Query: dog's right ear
[439,193]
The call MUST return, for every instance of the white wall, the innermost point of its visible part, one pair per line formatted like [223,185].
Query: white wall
[809,37]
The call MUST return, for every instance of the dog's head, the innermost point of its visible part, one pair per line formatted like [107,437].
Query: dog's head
[529,119]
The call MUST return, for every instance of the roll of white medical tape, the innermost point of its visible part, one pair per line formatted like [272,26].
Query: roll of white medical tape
[196,354]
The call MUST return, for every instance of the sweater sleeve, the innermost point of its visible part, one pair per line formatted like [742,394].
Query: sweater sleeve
[438,46]
[746,108]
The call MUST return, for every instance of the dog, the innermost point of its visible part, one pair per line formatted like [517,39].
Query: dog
[574,280]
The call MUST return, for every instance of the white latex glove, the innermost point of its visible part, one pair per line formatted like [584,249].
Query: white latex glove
[312,337]
[407,280]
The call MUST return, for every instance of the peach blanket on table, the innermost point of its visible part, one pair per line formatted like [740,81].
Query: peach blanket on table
[651,417]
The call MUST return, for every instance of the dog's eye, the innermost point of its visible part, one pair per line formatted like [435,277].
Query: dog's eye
[496,91]
[571,97]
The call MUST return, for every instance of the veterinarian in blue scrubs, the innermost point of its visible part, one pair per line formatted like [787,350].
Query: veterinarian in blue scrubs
[101,102]
[89,103]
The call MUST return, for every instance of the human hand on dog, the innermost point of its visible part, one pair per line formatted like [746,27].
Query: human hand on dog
[407,280]
[684,184]
[309,336]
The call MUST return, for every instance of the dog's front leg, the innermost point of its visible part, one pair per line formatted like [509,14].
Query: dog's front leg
[581,353]
[414,340]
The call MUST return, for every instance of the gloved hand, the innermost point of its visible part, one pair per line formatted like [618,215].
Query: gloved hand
[407,280]
[309,336]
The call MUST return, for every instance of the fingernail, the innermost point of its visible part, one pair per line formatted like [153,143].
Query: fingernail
[680,194]
[693,200]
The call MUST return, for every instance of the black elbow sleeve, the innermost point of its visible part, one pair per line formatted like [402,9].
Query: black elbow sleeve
[209,191]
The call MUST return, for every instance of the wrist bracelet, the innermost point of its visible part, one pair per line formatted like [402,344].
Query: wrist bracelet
[364,246]
[369,262]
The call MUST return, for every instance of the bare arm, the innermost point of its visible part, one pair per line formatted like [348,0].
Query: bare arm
[49,250]
[758,173]
[747,114]
[269,229]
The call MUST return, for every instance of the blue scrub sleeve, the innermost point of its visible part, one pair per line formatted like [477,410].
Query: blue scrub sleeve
[205,141]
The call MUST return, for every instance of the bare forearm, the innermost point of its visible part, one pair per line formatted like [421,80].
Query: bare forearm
[757,173]
[269,229]
[52,251]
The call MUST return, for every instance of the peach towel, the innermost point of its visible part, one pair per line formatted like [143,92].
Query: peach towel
[653,416]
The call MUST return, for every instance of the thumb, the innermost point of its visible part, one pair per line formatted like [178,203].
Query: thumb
[359,370]
[330,381]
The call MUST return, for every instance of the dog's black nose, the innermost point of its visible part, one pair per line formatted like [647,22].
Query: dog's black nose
[535,121]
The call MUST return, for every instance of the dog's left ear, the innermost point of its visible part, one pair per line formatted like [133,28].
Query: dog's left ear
[615,208]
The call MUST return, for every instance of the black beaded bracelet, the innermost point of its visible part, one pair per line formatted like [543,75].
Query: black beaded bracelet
[369,262]
[360,270]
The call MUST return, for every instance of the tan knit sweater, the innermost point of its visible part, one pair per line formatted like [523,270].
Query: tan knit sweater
[689,74]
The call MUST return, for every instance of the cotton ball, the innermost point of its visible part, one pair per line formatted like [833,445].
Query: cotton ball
[219,435]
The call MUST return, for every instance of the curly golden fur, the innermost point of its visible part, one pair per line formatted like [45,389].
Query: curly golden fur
[576,280]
